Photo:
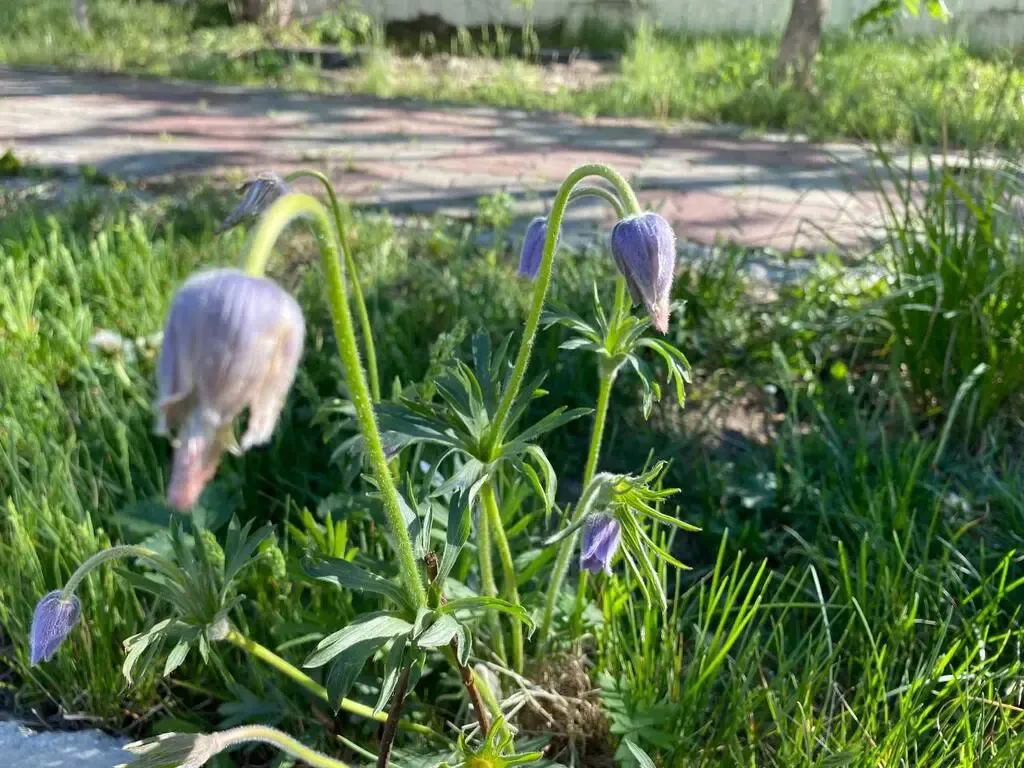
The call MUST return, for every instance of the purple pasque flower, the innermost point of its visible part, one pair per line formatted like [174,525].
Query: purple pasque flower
[532,253]
[257,196]
[53,620]
[601,537]
[644,248]
[231,342]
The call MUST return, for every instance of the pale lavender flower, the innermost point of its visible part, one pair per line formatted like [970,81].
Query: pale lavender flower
[257,196]
[601,538]
[173,750]
[53,620]
[532,253]
[231,342]
[644,247]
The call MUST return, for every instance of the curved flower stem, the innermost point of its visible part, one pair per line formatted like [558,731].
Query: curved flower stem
[281,214]
[350,266]
[606,376]
[245,734]
[112,553]
[604,392]
[515,381]
[487,585]
[588,190]
[267,656]
[489,499]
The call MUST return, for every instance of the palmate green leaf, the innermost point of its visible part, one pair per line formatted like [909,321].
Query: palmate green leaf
[374,628]
[557,418]
[417,426]
[490,367]
[462,393]
[482,604]
[349,576]
[240,546]
[141,649]
[161,587]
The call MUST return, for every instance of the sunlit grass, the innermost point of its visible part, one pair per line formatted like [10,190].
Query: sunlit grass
[935,92]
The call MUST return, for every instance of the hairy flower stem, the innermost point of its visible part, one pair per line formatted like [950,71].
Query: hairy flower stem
[487,585]
[280,215]
[267,656]
[350,267]
[510,592]
[387,738]
[247,734]
[111,553]
[515,381]
[606,378]
[587,190]
[624,202]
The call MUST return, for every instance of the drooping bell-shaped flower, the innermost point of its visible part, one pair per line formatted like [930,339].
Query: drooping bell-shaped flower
[53,620]
[644,248]
[532,253]
[173,750]
[231,342]
[601,538]
[257,196]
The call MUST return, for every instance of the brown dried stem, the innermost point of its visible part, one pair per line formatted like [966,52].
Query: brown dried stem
[387,737]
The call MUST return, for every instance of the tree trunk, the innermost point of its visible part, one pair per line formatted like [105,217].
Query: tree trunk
[278,12]
[283,12]
[252,11]
[800,42]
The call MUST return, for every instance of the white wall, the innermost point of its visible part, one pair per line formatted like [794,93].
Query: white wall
[990,23]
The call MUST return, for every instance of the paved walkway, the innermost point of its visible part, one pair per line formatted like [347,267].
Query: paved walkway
[712,183]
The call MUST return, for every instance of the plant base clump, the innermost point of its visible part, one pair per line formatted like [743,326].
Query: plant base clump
[568,708]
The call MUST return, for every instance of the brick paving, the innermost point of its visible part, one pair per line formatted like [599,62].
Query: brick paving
[713,183]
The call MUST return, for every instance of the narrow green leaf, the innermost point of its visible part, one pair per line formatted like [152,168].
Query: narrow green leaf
[641,757]
[346,666]
[438,634]
[460,521]
[553,420]
[346,575]
[392,671]
[176,657]
[474,605]
[374,627]
[549,487]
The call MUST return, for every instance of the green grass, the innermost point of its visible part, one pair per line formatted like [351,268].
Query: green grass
[855,591]
[880,89]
